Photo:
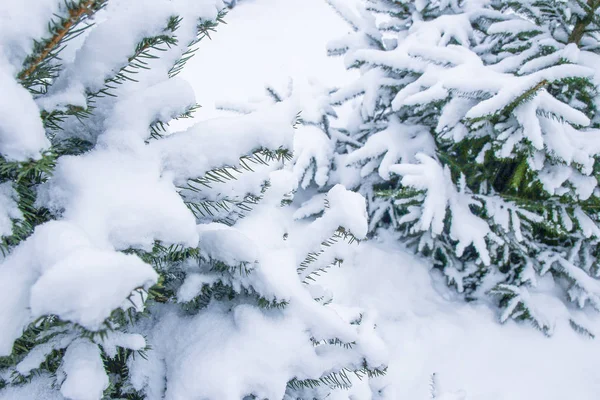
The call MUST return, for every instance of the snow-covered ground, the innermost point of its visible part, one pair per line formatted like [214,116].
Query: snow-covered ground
[428,332]
[462,344]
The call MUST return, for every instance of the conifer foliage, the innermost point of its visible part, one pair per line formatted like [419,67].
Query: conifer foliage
[477,122]
[142,263]
[231,3]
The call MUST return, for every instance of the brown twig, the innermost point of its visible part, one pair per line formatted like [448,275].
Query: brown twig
[582,24]
[74,16]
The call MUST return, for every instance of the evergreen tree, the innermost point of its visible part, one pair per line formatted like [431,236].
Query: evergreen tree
[142,263]
[480,120]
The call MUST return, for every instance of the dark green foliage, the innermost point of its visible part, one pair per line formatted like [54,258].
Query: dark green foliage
[40,70]
[25,177]
[497,169]
[42,65]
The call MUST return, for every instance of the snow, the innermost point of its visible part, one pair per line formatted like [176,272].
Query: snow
[228,245]
[514,26]
[442,196]
[192,153]
[351,208]
[40,387]
[312,147]
[397,143]
[314,137]
[85,377]
[410,320]
[85,186]
[176,93]
[588,227]
[426,330]
[94,62]
[255,52]
[93,283]
[21,137]
[429,332]
[512,90]
[477,92]
[254,350]
[259,351]
[21,23]
[59,271]
[315,205]
[9,209]
[39,354]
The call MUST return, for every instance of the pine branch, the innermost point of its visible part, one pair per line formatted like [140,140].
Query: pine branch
[60,32]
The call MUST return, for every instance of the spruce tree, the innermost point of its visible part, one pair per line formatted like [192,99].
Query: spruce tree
[478,126]
[142,263]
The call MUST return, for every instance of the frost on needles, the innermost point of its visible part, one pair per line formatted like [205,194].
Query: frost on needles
[477,123]
[143,263]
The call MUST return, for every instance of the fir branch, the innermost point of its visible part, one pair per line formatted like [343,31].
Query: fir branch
[337,380]
[158,128]
[204,29]
[60,32]
[243,268]
[25,177]
[333,342]
[317,272]
[582,24]
[213,208]
[223,174]
[144,51]
[267,304]
[581,329]
[163,256]
[304,268]
[53,120]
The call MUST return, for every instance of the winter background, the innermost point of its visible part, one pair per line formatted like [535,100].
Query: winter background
[434,343]
[428,332]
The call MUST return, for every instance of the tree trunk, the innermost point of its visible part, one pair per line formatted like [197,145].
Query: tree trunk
[582,24]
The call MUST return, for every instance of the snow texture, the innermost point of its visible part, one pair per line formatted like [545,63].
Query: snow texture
[259,352]
[9,208]
[57,265]
[425,327]
[85,378]
[123,195]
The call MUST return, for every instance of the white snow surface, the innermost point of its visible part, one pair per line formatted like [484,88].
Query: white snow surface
[85,377]
[8,208]
[21,137]
[428,331]
[39,388]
